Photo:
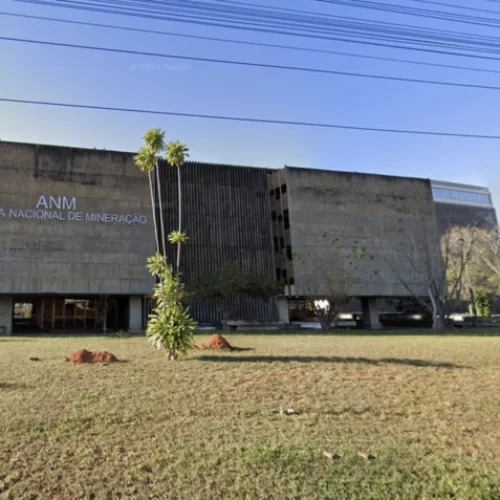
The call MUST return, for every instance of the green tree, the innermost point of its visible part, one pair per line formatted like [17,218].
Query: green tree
[105,306]
[146,160]
[484,303]
[231,284]
[170,325]
[176,154]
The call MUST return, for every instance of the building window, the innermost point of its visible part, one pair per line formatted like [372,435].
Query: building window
[283,275]
[291,281]
[289,252]
[283,188]
[278,274]
[286,219]
[456,194]
[273,215]
[280,218]
[271,193]
[282,243]
[278,193]
[276,244]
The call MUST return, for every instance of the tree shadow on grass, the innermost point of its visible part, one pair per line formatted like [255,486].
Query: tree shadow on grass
[5,386]
[327,359]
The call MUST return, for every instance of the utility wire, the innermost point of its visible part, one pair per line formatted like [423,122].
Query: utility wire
[309,32]
[253,65]
[244,42]
[251,120]
[413,11]
[456,6]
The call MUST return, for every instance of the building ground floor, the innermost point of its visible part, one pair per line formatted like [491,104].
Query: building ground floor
[77,313]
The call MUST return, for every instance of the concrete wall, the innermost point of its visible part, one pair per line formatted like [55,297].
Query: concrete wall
[387,215]
[72,256]
[6,306]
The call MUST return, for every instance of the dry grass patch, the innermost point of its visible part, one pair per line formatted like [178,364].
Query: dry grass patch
[207,427]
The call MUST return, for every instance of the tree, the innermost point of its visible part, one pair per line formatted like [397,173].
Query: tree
[170,325]
[231,283]
[437,263]
[176,155]
[333,278]
[147,161]
[105,304]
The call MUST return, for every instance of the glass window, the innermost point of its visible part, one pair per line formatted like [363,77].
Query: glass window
[283,188]
[456,194]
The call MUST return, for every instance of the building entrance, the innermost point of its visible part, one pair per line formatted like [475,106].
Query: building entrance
[70,314]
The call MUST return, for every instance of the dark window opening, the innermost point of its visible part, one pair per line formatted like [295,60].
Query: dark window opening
[276,244]
[280,218]
[271,193]
[278,274]
[283,188]
[292,281]
[282,243]
[283,275]
[273,215]
[286,219]
[278,193]
[289,252]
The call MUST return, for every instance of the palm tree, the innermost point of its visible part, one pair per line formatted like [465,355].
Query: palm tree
[147,161]
[176,154]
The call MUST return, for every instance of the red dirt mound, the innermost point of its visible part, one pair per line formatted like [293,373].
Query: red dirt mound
[84,356]
[217,343]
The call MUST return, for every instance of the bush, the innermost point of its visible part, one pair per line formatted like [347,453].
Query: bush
[170,325]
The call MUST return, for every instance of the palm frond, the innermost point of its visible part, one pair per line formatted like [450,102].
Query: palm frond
[154,140]
[145,159]
[176,153]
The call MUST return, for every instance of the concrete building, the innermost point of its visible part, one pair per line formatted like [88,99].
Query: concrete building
[75,226]
[374,212]
[76,229]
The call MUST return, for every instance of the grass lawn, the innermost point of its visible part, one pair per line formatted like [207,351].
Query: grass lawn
[428,409]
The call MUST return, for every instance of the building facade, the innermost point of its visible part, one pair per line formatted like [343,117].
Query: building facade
[76,229]
[463,205]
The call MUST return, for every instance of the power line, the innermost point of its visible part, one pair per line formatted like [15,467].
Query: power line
[254,65]
[413,11]
[310,32]
[244,42]
[251,120]
[456,6]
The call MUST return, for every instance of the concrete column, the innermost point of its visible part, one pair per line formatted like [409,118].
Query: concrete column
[370,313]
[135,313]
[283,311]
[6,312]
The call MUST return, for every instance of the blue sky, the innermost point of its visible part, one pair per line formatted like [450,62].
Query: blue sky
[99,78]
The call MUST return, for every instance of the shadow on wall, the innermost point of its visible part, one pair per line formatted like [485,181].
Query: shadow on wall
[329,359]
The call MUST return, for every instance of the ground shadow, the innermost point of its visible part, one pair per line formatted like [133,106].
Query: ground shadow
[12,387]
[327,359]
